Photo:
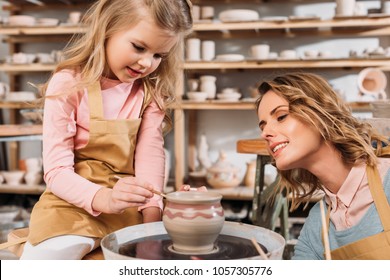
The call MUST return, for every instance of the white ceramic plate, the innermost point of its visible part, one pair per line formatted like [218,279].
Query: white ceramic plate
[230,57]
[238,15]
[303,18]
[275,19]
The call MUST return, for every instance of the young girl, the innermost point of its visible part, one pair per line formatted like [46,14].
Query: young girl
[104,112]
[316,143]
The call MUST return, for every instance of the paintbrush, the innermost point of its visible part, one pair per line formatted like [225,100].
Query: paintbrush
[258,248]
[153,190]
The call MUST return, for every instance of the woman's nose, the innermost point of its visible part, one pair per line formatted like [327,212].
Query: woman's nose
[267,132]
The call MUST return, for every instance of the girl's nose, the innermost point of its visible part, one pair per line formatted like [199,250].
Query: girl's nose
[145,61]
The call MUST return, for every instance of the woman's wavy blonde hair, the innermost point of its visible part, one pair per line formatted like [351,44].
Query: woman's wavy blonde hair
[312,100]
[85,53]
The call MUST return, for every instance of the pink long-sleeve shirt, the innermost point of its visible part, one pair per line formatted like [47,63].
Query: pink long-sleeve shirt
[66,128]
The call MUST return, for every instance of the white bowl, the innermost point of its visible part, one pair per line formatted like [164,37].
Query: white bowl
[8,213]
[238,15]
[197,95]
[288,54]
[230,57]
[229,96]
[21,20]
[32,115]
[20,96]
[13,178]
[48,21]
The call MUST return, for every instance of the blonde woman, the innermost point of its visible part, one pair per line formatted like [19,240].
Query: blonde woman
[317,144]
[105,107]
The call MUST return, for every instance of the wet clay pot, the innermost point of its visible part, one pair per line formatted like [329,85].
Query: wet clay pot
[193,220]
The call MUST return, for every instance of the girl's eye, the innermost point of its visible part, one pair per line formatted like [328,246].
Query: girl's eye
[158,56]
[138,48]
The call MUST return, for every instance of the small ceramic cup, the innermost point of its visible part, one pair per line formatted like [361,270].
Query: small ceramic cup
[260,51]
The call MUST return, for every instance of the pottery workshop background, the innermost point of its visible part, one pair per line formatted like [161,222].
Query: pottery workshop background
[223,128]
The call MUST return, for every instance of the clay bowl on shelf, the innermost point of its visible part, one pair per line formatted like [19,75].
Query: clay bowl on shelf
[8,213]
[13,178]
[193,220]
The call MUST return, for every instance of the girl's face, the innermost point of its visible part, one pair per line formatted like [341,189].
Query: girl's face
[291,142]
[136,52]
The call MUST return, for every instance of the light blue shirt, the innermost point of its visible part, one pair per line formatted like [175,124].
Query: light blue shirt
[310,245]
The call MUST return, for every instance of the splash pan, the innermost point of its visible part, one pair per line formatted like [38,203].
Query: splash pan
[151,241]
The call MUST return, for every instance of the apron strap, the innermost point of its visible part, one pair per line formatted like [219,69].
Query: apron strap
[379,196]
[95,101]
[327,220]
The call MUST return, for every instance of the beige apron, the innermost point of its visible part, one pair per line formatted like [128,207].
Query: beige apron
[375,247]
[109,151]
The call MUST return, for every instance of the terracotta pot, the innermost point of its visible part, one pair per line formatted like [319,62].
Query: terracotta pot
[193,220]
[250,174]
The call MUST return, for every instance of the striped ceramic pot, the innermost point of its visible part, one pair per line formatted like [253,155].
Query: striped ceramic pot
[193,220]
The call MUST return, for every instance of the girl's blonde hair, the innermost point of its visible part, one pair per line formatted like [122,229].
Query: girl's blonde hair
[312,100]
[85,53]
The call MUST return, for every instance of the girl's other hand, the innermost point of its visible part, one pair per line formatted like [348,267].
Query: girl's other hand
[187,188]
[127,192]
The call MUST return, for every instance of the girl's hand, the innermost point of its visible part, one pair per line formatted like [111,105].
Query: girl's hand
[187,188]
[127,192]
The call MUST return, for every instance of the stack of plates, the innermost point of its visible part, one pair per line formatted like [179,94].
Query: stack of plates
[231,96]
[238,15]
[230,57]
[48,21]
[21,20]
[20,96]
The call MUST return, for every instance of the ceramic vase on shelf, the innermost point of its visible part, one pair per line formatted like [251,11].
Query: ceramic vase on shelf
[207,84]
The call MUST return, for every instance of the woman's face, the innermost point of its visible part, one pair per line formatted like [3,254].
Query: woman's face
[136,52]
[291,142]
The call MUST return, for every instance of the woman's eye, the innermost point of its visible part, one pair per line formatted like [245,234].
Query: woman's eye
[282,117]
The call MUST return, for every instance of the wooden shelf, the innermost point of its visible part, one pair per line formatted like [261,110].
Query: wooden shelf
[16,105]
[9,130]
[217,105]
[23,68]
[369,22]
[246,194]
[237,193]
[42,30]
[22,189]
[382,63]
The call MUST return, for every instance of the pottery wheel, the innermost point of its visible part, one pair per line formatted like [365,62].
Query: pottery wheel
[159,247]
[151,241]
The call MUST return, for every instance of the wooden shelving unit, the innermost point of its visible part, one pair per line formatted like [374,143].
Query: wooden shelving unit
[369,26]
